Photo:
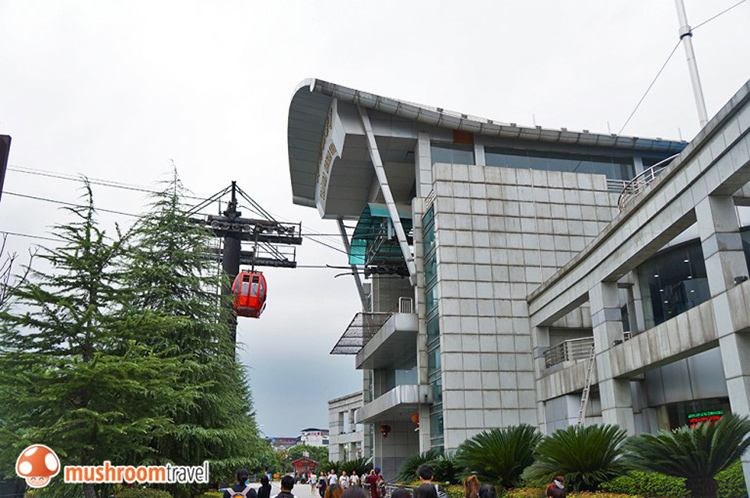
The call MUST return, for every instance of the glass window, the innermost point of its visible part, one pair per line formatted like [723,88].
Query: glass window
[433,329]
[452,153]
[672,282]
[619,168]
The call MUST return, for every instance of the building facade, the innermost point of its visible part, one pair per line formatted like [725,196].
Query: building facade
[347,438]
[504,261]
[313,436]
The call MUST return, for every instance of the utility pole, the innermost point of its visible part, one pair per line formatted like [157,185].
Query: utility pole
[686,36]
[230,257]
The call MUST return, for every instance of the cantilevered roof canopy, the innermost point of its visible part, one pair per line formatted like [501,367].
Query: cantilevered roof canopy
[308,126]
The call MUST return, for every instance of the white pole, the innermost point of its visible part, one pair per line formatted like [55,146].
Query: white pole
[686,36]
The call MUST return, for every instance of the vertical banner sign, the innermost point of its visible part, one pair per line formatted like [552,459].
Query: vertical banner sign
[331,144]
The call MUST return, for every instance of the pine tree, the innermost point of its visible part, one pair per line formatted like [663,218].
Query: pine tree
[172,268]
[75,371]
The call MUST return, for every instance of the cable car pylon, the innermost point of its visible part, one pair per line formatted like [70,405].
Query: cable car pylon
[273,246]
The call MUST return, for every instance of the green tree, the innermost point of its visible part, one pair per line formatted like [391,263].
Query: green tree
[75,372]
[585,456]
[695,453]
[499,456]
[171,268]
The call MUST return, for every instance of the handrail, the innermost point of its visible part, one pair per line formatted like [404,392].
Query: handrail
[641,181]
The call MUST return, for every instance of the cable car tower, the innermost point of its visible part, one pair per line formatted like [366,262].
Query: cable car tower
[272,241]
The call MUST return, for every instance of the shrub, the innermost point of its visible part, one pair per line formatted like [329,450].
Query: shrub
[695,453]
[732,482]
[584,456]
[142,493]
[647,484]
[211,494]
[408,470]
[358,465]
[499,456]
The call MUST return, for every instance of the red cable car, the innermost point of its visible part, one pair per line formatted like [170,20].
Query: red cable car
[249,294]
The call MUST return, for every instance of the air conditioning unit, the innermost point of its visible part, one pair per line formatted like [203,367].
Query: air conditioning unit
[626,336]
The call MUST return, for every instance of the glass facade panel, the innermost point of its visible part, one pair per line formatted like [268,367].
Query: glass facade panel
[434,360]
[672,282]
[452,153]
[616,168]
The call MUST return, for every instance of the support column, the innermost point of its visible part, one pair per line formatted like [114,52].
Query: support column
[540,343]
[722,250]
[721,242]
[377,163]
[616,400]
[423,165]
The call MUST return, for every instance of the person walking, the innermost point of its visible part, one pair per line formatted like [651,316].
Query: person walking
[372,481]
[425,477]
[555,489]
[354,479]
[322,485]
[242,487]
[264,491]
[344,480]
[313,481]
[287,484]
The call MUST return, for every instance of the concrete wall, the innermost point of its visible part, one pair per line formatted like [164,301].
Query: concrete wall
[500,233]
[391,451]
[343,432]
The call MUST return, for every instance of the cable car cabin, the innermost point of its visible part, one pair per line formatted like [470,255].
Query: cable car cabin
[249,294]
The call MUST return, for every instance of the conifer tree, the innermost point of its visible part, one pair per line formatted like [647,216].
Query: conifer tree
[76,372]
[176,275]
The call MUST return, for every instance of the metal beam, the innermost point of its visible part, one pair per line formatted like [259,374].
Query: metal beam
[377,163]
[355,271]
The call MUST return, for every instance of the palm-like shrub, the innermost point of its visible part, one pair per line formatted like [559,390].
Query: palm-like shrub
[446,469]
[408,470]
[697,453]
[357,466]
[585,456]
[499,456]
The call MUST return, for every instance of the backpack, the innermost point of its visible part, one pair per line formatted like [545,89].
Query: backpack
[242,493]
[380,488]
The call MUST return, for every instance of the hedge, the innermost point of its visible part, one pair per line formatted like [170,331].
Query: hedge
[654,485]
[142,493]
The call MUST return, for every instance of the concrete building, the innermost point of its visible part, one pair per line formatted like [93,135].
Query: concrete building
[347,438]
[314,437]
[501,256]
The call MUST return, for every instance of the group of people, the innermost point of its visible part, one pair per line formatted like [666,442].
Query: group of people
[330,485]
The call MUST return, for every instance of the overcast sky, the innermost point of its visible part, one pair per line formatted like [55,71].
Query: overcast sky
[119,90]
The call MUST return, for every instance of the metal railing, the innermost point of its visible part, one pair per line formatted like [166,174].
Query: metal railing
[641,181]
[573,349]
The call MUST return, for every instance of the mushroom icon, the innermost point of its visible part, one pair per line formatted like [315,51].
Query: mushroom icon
[37,464]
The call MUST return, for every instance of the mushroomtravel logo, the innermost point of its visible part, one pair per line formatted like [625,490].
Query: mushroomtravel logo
[38,464]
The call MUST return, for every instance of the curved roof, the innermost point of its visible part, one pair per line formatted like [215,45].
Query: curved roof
[312,98]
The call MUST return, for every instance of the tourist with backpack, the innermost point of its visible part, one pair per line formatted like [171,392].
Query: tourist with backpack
[242,489]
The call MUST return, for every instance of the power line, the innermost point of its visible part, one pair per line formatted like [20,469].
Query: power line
[125,186]
[650,86]
[55,201]
[717,15]
[19,234]
[92,181]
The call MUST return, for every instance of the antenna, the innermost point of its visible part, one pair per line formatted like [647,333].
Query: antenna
[686,36]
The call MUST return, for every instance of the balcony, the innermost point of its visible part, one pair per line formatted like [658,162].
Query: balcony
[571,350]
[397,404]
[381,340]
